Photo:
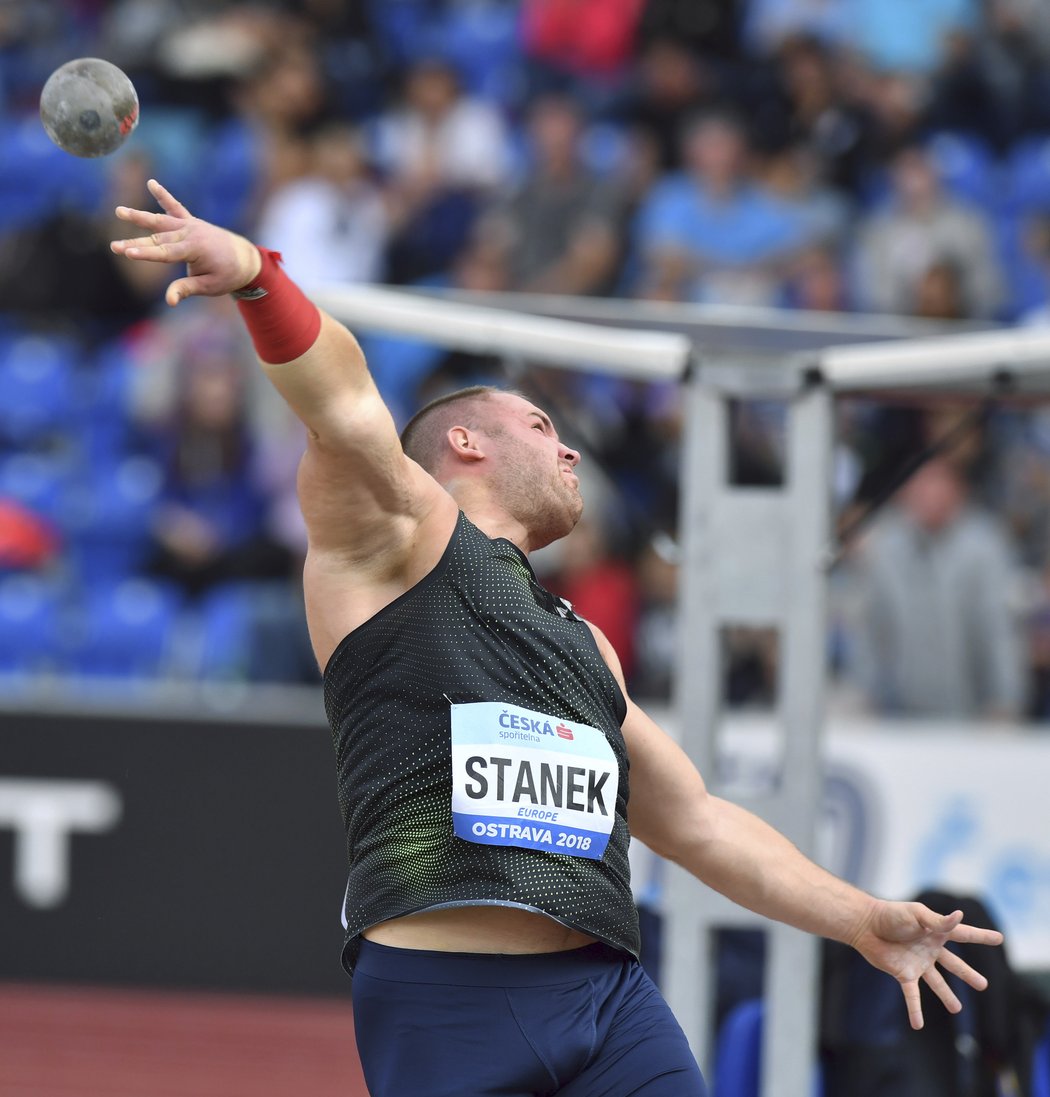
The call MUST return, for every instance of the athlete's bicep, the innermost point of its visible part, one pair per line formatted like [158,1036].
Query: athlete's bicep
[669,800]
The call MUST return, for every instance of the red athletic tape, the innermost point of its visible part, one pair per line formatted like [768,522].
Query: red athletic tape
[282,321]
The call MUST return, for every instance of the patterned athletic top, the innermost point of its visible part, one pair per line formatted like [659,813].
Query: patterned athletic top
[479,752]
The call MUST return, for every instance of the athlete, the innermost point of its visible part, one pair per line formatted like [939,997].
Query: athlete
[482,735]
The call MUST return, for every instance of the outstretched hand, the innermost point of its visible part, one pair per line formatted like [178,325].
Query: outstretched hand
[907,940]
[217,261]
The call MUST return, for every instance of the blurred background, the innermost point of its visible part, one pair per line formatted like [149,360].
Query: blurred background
[865,157]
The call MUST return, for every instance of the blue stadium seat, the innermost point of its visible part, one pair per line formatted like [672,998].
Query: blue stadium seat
[225,191]
[101,400]
[29,624]
[1041,1068]
[604,148]
[404,27]
[35,480]
[1027,183]
[37,382]
[482,41]
[225,649]
[124,630]
[1026,279]
[37,178]
[967,167]
[738,1052]
[106,515]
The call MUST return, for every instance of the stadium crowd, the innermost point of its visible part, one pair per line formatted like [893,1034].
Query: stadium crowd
[881,156]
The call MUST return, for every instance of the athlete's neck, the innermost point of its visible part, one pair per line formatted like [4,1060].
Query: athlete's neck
[490,517]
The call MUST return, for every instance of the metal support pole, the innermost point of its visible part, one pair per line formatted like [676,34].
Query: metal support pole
[752,556]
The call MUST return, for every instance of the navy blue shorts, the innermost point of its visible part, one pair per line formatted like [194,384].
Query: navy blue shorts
[584,1023]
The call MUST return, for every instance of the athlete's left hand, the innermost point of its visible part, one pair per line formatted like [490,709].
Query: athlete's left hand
[907,940]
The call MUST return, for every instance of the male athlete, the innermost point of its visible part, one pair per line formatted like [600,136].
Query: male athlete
[482,736]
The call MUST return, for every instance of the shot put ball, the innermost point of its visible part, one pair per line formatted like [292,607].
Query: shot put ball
[88,107]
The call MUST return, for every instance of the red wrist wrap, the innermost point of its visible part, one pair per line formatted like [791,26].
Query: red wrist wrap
[282,321]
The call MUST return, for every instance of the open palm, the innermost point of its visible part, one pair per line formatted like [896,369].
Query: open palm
[907,941]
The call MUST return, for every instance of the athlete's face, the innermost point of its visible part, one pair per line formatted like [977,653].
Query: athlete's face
[533,470]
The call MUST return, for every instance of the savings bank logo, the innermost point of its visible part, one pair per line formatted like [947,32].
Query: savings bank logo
[511,722]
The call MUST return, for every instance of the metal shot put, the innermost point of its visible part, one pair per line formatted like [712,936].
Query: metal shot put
[89,107]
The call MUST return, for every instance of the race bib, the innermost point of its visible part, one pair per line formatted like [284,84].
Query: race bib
[522,778]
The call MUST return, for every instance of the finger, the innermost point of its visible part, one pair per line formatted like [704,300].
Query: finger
[147,219]
[175,251]
[958,966]
[936,982]
[946,923]
[182,288]
[971,935]
[914,1003]
[121,246]
[168,201]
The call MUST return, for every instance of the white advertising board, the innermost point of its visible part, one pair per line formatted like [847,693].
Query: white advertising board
[910,806]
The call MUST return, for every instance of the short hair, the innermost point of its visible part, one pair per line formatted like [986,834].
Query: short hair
[423,436]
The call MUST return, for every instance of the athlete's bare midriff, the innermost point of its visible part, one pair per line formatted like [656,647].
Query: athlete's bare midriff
[487,929]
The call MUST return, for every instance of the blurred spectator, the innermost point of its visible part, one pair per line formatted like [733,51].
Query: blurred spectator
[210,526]
[656,642]
[1019,482]
[1014,50]
[975,93]
[61,271]
[275,101]
[329,224]
[711,27]
[441,152]
[560,225]
[922,226]
[836,128]
[670,84]
[602,588]
[935,634]
[1030,271]
[26,540]
[161,349]
[344,36]
[897,103]
[907,35]
[586,39]
[939,293]
[768,23]
[817,282]
[714,233]
[791,174]
[1037,623]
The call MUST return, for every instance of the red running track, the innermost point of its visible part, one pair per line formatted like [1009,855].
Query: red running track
[94,1042]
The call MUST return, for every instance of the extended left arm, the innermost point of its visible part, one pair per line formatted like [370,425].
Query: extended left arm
[736,853]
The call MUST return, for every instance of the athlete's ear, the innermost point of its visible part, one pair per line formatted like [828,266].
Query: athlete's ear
[465,444]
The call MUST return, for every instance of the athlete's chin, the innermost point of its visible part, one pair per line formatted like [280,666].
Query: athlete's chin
[559,526]
[573,514]
[573,507]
